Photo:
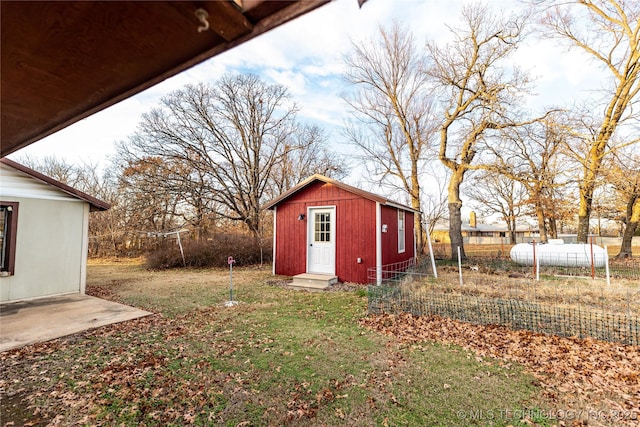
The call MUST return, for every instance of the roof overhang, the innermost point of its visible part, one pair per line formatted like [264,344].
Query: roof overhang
[62,61]
[95,204]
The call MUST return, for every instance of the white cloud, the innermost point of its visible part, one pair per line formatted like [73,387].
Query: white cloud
[294,81]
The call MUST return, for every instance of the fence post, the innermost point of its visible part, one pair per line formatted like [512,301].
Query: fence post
[593,266]
[535,262]
[433,260]
[184,262]
[538,268]
[606,265]
[460,265]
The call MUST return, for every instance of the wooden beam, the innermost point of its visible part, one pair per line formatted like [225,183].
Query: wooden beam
[227,21]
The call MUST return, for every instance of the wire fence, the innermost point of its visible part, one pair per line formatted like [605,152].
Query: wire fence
[567,307]
[498,257]
[390,271]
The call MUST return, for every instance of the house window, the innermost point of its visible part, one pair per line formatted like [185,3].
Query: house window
[400,231]
[8,229]
[322,227]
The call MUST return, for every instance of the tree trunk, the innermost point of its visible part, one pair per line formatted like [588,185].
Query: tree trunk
[553,228]
[420,234]
[541,224]
[631,224]
[455,214]
[583,228]
[201,221]
[455,230]
[512,230]
[254,227]
[586,201]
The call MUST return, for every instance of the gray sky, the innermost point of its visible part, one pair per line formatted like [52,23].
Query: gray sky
[305,55]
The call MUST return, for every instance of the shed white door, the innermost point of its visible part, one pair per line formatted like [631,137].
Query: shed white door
[321,248]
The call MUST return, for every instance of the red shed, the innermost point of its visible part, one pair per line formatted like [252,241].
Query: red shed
[325,227]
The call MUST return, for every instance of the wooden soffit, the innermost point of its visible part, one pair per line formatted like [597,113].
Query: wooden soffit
[62,61]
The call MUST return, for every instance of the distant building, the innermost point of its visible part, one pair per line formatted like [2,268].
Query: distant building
[476,233]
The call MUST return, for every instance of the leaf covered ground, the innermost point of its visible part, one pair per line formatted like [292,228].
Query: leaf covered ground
[591,382]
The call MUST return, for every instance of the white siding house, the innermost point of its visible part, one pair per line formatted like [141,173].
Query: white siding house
[44,234]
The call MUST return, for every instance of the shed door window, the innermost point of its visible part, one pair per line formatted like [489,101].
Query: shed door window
[401,244]
[322,232]
[8,228]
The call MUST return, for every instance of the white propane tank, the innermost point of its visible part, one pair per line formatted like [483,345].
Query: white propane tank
[556,253]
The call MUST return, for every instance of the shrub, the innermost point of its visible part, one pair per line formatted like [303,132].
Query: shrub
[211,252]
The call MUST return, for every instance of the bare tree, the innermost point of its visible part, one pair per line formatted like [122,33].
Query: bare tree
[530,155]
[149,207]
[391,102]
[479,92]
[305,155]
[59,169]
[608,31]
[229,138]
[624,176]
[499,194]
[434,199]
[632,219]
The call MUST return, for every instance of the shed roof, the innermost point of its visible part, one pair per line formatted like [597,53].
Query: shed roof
[94,203]
[349,188]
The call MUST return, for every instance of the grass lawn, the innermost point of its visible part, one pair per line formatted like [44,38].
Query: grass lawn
[279,357]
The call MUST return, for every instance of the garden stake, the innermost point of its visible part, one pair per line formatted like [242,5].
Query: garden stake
[230,303]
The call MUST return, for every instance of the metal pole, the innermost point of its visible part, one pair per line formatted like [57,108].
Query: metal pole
[593,267]
[606,265]
[537,268]
[535,264]
[231,281]
[460,265]
[231,261]
[181,251]
[433,261]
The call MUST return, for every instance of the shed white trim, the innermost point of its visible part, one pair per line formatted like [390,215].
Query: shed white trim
[273,250]
[378,243]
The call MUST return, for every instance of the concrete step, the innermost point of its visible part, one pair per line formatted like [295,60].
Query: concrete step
[313,281]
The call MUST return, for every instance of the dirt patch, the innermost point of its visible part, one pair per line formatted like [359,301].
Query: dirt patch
[336,287]
[278,283]
[346,287]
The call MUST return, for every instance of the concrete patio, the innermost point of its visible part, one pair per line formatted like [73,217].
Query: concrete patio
[44,319]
